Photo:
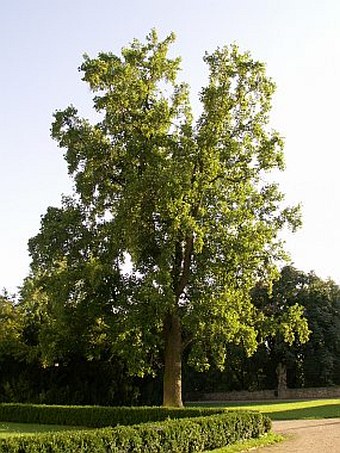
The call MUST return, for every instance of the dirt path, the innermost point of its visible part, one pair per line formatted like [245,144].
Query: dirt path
[307,436]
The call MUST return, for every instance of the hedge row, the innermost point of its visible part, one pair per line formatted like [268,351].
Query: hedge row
[183,436]
[95,416]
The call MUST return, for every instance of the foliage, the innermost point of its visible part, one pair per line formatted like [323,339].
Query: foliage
[72,274]
[319,301]
[322,307]
[76,375]
[314,363]
[10,328]
[102,382]
[81,378]
[188,203]
[95,416]
[185,435]
[13,351]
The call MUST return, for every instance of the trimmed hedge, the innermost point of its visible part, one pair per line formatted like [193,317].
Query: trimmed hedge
[182,436]
[96,416]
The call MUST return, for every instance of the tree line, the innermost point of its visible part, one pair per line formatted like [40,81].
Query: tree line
[40,361]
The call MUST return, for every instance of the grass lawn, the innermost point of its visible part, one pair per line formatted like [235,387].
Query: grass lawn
[238,447]
[9,429]
[288,410]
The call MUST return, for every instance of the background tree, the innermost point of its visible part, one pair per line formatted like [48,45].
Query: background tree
[281,305]
[320,356]
[306,364]
[187,203]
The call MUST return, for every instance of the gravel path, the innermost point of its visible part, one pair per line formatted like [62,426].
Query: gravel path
[307,436]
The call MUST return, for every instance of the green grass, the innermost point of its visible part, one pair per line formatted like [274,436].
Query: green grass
[289,410]
[8,429]
[238,447]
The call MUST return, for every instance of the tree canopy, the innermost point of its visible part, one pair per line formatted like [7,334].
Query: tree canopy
[174,218]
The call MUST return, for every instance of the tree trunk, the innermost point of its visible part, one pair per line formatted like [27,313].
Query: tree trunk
[172,381]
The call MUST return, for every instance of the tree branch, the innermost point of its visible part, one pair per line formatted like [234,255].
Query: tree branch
[183,281]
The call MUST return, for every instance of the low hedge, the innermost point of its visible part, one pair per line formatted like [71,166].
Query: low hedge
[95,416]
[182,435]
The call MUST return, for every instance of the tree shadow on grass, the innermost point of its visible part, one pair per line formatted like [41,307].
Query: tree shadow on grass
[323,411]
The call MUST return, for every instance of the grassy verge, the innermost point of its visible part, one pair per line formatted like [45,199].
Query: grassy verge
[9,429]
[238,447]
[289,410]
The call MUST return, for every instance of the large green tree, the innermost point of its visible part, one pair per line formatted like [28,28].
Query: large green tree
[181,211]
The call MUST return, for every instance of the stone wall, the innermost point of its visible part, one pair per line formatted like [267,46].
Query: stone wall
[264,395]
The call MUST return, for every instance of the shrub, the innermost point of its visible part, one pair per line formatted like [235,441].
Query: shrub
[95,416]
[182,435]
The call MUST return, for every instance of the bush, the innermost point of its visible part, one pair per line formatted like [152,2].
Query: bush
[95,416]
[184,435]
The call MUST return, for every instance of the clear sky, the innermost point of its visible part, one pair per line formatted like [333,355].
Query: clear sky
[41,47]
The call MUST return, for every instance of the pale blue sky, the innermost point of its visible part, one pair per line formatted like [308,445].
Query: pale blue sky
[41,47]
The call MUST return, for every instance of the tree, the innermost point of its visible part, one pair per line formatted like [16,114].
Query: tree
[184,201]
[307,364]
[286,327]
[321,300]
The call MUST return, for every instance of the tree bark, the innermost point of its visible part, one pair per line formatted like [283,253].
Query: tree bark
[172,381]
